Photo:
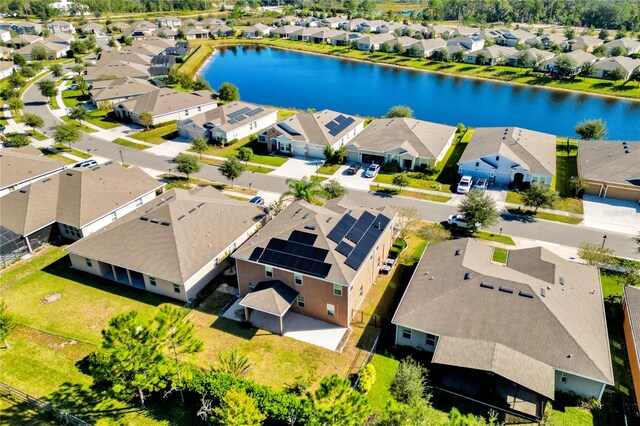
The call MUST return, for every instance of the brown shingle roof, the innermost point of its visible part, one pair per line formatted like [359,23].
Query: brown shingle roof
[121,88]
[632,310]
[273,297]
[166,100]
[20,165]
[312,127]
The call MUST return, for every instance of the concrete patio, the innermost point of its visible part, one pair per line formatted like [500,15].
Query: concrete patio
[296,326]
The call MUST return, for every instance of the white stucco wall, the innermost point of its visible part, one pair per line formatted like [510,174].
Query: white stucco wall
[177,115]
[418,339]
[579,385]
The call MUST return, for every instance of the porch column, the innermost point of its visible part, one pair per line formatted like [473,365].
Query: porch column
[246,313]
[281,328]
[115,275]
[129,277]
[26,240]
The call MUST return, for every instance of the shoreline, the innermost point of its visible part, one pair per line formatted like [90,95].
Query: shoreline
[406,67]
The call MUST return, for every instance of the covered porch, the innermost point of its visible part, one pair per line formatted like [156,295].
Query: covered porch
[270,297]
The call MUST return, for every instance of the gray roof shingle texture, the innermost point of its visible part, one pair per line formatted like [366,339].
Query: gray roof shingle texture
[273,297]
[608,161]
[632,309]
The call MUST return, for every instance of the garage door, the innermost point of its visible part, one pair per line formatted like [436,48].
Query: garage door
[370,158]
[623,194]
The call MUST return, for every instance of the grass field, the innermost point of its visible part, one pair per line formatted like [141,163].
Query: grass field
[158,135]
[612,283]
[102,119]
[231,151]
[390,192]
[569,204]
[497,238]
[500,255]
[82,127]
[129,144]
[248,167]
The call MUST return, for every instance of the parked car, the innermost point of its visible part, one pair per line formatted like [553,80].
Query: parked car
[88,163]
[73,87]
[482,184]
[257,200]
[457,221]
[385,269]
[465,185]
[372,171]
[353,168]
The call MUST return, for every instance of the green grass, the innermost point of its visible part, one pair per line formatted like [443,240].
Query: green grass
[72,98]
[53,102]
[612,283]
[329,169]
[31,133]
[572,416]
[427,184]
[158,135]
[500,254]
[490,236]
[378,395]
[59,157]
[390,192]
[82,127]
[318,178]
[129,144]
[569,204]
[102,119]
[572,220]
[231,151]
[285,113]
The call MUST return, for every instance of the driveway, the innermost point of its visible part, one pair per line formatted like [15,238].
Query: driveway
[171,148]
[297,168]
[611,215]
[357,181]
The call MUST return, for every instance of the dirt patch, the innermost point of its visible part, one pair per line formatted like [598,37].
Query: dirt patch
[62,345]
[51,298]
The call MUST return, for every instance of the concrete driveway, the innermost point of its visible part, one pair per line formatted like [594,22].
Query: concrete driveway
[611,215]
[298,167]
[357,181]
[170,148]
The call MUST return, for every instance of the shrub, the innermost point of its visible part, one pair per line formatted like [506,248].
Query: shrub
[410,381]
[390,167]
[367,377]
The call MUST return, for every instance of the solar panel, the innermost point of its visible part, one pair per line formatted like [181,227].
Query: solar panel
[342,227]
[344,248]
[256,253]
[239,112]
[343,123]
[297,249]
[330,125]
[254,112]
[303,237]
[295,263]
[361,226]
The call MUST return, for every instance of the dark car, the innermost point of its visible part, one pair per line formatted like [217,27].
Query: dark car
[353,168]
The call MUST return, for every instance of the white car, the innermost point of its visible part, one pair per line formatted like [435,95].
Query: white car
[465,185]
[457,221]
[372,171]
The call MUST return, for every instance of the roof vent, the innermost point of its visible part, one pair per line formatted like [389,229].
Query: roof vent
[23,191]
[69,174]
[306,215]
[181,217]
[193,210]
[144,218]
[311,227]
[457,253]
[154,221]
[165,223]
[486,285]
[468,275]
[46,180]
[526,294]
[543,292]
[561,280]
[506,290]
[329,219]
[200,205]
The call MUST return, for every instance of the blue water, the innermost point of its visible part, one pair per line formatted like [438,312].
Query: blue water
[291,79]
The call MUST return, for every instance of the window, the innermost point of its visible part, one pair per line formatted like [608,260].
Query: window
[337,290]
[199,109]
[331,310]
[297,278]
[186,112]
[564,377]
[477,164]
[406,333]
[431,340]
[152,281]
[361,291]
[89,264]
[252,286]
[300,301]
[268,271]
[176,287]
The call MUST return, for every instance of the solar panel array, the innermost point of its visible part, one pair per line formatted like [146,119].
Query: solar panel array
[295,254]
[242,114]
[338,124]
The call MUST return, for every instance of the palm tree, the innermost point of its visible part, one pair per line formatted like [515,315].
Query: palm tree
[303,189]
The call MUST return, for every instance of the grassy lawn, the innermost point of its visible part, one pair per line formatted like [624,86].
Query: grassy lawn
[318,178]
[415,183]
[497,238]
[72,98]
[196,59]
[247,167]
[570,204]
[82,127]
[390,192]
[500,254]
[284,113]
[31,133]
[385,371]
[612,283]
[53,102]
[102,119]
[158,135]
[129,144]
[546,216]
[231,151]
[329,170]
[58,156]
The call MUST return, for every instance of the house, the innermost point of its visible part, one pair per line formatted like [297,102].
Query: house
[174,245]
[305,33]
[333,22]
[466,31]
[371,26]
[25,39]
[5,36]
[492,55]
[534,58]
[94,28]
[117,69]
[631,327]
[391,27]
[512,38]
[122,56]
[60,38]
[169,22]
[234,120]
[27,27]
[325,35]
[257,31]
[284,31]
[345,38]
[426,47]
[548,41]
[403,41]
[441,30]
[120,27]
[73,204]
[307,133]
[579,58]
[196,33]
[287,20]
[211,22]
[611,168]
[7,68]
[318,261]
[630,46]
[118,90]
[6,53]
[510,155]
[161,65]
[372,42]
[166,104]
[585,43]
[490,34]
[53,50]
[20,167]
[522,332]
[220,30]
[604,67]
[60,27]
[352,24]
[142,29]
[408,142]
[471,43]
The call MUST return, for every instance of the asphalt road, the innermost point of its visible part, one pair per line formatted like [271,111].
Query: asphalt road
[553,232]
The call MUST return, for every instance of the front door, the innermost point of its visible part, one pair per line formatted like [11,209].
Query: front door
[407,164]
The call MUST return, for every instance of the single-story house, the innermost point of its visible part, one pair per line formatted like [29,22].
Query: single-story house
[391,27]
[161,65]
[604,67]
[166,104]
[122,56]
[325,35]
[120,27]
[308,133]
[61,27]
[510,155]
[318,261]
[117,69]
[169,22]
[283,32]
[62,38]
[7,68]
[630,45]
[585,43]
[426,47]
[118,90]
[345,38]
[333,22]
[21,166]
[196,33]
[438,30]
[6,53]
[257,31]
[471,43]
[220,30]
[73,204]
[94,28]
[352,24]
[522,331]
[611,167]
[534,57]
[234,120]
[174,245]
[373,42]
[580,57]
[493,55]
[491,34]
[631,327]
[405,141]
[548,40]
[305,33]
[463,30]
[54,50]
[166,33]
[25,39]
[512,38]
[371,26]
[26,27]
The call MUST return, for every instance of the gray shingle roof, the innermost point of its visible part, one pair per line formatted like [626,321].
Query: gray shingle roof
[607,161]
[273,297]
[18,165]
[165,100]
[311,127]
[632,309]
[220,116]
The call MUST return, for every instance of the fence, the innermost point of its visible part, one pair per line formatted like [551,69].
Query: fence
[357,366]
[18,395]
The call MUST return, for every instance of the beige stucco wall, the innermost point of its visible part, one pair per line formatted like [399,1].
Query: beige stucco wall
[631,350]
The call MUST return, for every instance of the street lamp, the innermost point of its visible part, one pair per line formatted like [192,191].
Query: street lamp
[121,158]
[604,240]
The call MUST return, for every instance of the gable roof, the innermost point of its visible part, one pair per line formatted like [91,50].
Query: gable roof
[165,100]
[19,165]
[538,305]
[609,161]
[626,63]
[317,222]
[430,44]
[398,135]
[535,151]
[316,127]
[173,236]
[632,311]
[117,69]
[224,116]
[120,88]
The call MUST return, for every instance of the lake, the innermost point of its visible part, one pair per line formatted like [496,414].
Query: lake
[285,78]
